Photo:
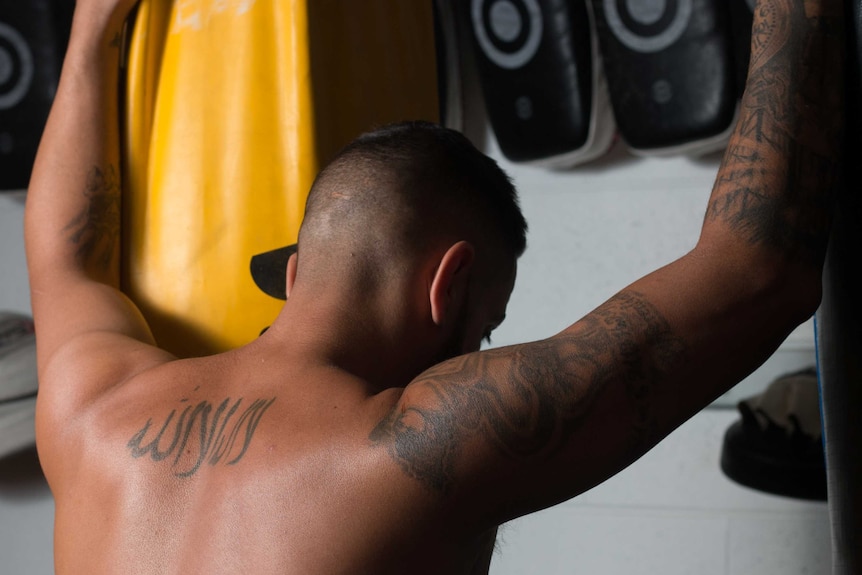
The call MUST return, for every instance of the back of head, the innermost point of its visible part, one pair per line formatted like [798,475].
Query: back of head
[402,189]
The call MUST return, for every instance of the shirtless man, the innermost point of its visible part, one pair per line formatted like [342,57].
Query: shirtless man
[364,433]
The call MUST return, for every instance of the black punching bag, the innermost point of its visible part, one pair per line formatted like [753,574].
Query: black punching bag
[839,332]
[33,37]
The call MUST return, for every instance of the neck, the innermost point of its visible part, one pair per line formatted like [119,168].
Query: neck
[360,336]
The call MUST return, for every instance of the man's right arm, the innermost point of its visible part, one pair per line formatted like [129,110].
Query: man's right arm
[512,430]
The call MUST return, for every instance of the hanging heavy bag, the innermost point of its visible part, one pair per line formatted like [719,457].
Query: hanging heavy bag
[232,107]
[839,335]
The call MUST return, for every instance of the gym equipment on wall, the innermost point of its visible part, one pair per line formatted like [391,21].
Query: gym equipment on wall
[670,72]
[33,38]
[543,88]
[232,108]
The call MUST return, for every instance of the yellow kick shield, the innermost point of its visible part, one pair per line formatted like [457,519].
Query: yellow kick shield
[231,108]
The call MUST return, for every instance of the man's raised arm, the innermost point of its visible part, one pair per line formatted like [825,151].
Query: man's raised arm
[512,430]
[72,218]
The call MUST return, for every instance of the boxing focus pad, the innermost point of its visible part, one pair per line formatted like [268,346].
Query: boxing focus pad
[670,73]
[543,89]
[33,37]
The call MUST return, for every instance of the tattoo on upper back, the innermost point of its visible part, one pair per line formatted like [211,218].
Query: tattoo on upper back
[788,112]
[200,434]
[95,230]
[528,400]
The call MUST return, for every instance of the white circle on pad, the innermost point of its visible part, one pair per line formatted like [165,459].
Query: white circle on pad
[506,22]
[12,38]
[648,12]
[6,65]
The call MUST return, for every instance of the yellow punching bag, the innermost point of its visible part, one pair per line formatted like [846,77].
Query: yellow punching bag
[232,106]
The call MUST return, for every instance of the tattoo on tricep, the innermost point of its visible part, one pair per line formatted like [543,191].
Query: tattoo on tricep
[529,400]
[200,435]
[95,230]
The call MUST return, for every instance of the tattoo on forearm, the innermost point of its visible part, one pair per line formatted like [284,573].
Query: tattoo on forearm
[200,434]
[528,400]
[95,230]
[781,167]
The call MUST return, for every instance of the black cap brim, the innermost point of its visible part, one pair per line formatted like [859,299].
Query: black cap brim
[269,271]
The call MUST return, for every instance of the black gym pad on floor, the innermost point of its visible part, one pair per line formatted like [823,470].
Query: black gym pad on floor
[777,446]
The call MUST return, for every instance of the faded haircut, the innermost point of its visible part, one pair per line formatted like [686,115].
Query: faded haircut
[427,179]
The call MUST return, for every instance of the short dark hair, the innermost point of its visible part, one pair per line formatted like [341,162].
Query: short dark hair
[434,167]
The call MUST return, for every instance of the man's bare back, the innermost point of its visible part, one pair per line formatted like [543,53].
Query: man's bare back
[364,432]
[231,468]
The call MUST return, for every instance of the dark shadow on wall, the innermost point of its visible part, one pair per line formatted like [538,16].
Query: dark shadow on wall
[21,477]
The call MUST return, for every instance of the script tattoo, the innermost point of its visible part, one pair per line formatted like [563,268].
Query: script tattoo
[95,230]
[776,183]
[201,434]
[528,400]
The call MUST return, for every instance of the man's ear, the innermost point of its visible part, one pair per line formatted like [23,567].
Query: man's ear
[449,286]
[291,274]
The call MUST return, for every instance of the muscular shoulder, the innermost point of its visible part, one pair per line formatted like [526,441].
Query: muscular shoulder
[89,368]
[80,407]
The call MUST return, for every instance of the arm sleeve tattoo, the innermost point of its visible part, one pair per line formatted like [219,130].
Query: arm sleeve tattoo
[528,400]
[774,187]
